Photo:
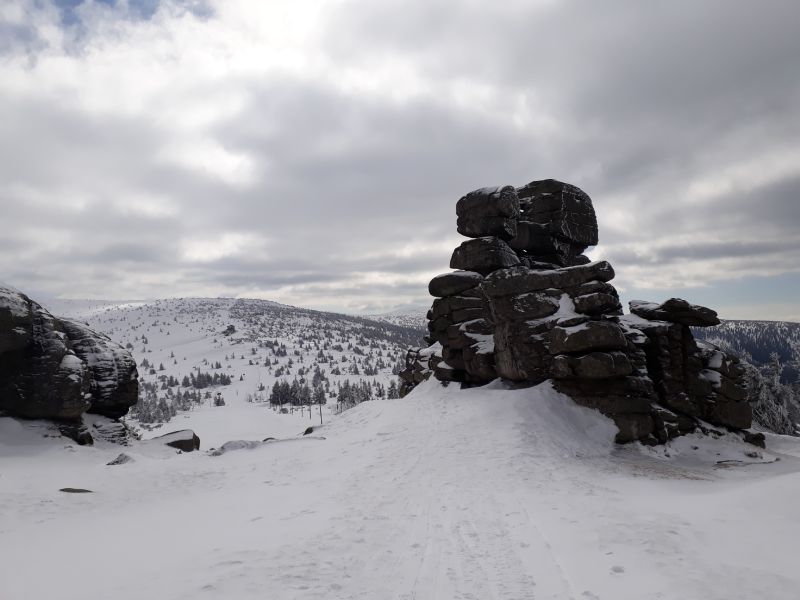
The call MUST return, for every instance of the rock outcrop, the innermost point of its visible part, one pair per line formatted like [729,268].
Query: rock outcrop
[184,440]
[420,365]
[526,304]
[52,368]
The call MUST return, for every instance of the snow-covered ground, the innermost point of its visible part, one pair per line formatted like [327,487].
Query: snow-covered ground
[481,493]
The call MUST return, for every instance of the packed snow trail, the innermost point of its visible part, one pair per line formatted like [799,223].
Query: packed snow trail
[470,494]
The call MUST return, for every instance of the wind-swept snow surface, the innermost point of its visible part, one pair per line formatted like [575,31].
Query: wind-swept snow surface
[482,493]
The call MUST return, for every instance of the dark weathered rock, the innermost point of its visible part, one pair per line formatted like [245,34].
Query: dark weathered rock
[537,239]
[52,368]
[488,212]
[518,280]
[535,308]
[698,382]
[71,490]
[185,440]
[420,364]
[483,255]
[598,303]
[675,310]
[112,431]
[452,284]
[522,351]
[113,378]
[526,306]
[595,365]
[613,397]
[479,362]
[591,287]
[564,209]
[736,415]
[591,336]
[40,375]
[454,357]
[754,437]
[77,432]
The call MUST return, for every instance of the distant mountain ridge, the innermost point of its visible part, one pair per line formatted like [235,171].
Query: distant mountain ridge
[756,341]
[413,319]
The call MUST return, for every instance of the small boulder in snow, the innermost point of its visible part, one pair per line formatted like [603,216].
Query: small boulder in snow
[675,310]
[121,460]
[185,440]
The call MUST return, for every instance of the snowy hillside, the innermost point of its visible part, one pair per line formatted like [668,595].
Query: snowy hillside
[481,493]
[193,352]
[412,319]
[756,341]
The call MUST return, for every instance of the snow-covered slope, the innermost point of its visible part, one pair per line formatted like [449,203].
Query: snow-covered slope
[413,319]
[757,341]
[247,345]
[481,493]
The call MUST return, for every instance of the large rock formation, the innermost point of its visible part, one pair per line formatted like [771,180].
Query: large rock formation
[57,369]
[527,305]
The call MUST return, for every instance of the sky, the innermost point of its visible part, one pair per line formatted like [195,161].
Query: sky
[313,152]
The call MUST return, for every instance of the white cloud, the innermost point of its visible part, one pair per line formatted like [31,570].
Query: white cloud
[344,132]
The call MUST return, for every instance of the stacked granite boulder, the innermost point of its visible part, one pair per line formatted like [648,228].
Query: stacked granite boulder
[527,305]
[52,368]
[420,363]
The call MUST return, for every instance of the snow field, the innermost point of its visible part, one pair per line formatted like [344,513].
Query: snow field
[480,493]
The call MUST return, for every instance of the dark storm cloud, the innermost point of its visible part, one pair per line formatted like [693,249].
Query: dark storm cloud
[136,166]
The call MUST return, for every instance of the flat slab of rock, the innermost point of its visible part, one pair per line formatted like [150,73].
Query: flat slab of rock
[518,280]
[484,255]
[70,490]
[452,284]
[185,440]
[595,365]
[675,310]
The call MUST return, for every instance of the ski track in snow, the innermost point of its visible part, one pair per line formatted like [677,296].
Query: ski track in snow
[447,494]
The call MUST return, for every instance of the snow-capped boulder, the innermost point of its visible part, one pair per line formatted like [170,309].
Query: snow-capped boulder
[451,284]
[51,368]
[185,440]
[113,378]
[675,310]
[40,374]
[488,212]
[483,255]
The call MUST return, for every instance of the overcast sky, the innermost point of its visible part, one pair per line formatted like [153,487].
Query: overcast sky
[312,152]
